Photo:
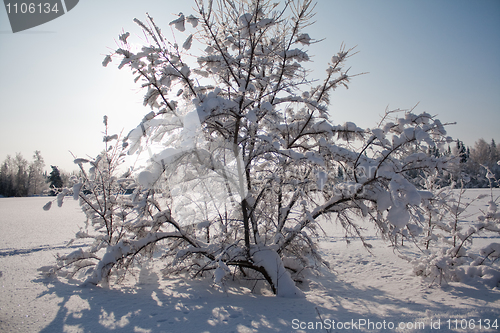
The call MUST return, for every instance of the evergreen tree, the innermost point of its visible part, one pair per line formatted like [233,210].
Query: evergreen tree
[493,152]
[340,173]
[6,181]
[55,180]
[461,151]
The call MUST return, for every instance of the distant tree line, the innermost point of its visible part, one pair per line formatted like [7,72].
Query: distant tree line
[21,178]
[472,164]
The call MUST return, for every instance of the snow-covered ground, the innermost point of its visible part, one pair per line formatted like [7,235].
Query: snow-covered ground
[361,292]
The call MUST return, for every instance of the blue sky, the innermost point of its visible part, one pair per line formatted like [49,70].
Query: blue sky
[444,55]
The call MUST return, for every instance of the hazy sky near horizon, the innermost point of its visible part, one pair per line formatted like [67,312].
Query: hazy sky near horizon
[443,55]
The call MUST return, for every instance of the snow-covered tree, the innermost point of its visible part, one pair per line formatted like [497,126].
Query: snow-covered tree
[243,158]
[36,179]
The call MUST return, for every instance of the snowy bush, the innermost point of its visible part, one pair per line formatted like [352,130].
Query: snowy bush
[448,255]
[243,157]
[108,210]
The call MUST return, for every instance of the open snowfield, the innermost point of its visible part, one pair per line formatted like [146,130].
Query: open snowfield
[362,291]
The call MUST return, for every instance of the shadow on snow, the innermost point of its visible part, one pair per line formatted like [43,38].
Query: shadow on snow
[155,305]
